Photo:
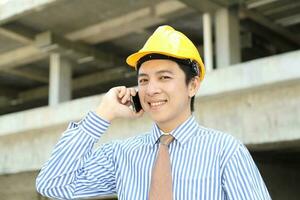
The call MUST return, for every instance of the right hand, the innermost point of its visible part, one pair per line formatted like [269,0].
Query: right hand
[116,104]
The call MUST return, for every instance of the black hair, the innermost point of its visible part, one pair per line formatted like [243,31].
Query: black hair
[189,67]
[189,76]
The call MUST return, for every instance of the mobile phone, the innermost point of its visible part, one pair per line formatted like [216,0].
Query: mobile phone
[136,102]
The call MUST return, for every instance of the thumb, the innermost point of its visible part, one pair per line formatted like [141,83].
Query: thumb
[136,115]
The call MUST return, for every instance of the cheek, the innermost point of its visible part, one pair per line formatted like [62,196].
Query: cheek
[178,89]
[181,94]
[141,94]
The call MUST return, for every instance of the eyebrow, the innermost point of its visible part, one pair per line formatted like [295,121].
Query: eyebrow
[158,72]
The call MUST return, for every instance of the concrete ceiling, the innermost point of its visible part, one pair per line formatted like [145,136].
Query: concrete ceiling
[111,30]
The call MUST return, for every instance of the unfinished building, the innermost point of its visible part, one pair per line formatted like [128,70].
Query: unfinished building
[58,56]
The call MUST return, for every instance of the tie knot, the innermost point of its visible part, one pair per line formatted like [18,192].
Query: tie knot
[166,139]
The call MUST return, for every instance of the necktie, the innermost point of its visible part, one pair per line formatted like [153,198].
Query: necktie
[161,180]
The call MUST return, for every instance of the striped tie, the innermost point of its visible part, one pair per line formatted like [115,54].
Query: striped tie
[161,180]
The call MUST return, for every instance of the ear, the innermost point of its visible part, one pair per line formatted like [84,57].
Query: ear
[193,86]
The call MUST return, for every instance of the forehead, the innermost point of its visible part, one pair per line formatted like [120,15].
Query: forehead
[156,65]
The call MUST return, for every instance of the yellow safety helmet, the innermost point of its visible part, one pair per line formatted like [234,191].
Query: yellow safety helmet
[167,41]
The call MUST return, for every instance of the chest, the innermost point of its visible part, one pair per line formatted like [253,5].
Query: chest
[195,172]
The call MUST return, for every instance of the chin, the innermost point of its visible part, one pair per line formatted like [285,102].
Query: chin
[159,117]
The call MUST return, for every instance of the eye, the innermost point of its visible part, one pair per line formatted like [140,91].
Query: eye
[165,77]
[143,81]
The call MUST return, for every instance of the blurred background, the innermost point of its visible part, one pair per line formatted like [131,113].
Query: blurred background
[58,56]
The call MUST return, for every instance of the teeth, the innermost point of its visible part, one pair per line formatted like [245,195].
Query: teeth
[157,103]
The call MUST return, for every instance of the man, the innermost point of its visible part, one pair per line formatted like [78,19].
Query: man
[177,159]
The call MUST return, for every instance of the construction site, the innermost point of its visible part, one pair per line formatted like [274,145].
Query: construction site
[58,58]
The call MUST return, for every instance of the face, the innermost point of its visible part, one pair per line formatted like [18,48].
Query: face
[164,94]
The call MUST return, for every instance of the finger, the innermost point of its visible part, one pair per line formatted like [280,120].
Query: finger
[140,113]
[126,97]
[128,103]
[122,91]
[132,92]
[137,114]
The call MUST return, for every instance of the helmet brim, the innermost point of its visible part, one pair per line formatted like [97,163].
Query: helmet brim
[135,57]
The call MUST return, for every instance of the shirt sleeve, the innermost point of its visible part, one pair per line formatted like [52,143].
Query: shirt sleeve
[241,179]
[74,170]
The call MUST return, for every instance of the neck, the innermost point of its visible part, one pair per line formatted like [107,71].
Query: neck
[169,126]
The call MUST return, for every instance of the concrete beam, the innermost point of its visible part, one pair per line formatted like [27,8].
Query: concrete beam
[259,3]
[21,56]
[15,36]
[278,41]
[289,21]
[135,21]
[49,42]
[8,92]
[204,6]
[29,74]
[77,84]
[281,9]
[259,18]
[254,74]
[117,73]
[11,10]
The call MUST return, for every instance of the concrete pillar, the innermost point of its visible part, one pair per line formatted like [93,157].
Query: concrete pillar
[227,33]
[207,40]
[60,79]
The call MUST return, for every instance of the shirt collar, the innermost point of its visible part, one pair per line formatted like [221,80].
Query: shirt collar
[182,133]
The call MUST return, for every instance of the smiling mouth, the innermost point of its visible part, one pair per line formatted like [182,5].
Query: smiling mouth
[157,104]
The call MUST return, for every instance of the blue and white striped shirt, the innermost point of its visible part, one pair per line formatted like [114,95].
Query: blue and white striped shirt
[206,165]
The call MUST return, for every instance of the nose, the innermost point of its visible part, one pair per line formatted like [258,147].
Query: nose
[152,88]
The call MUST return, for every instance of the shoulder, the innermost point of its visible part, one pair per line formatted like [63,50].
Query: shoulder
[115,147]
[132,142]
[220,138]
[225,145]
